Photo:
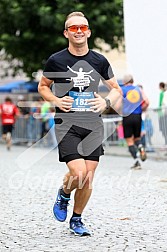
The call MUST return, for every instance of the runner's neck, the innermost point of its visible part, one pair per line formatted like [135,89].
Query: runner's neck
[78,51]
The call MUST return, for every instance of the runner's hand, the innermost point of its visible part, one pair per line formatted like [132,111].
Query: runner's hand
[98,104]
[65,103]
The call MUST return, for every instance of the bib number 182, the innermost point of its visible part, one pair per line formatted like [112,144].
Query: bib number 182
[81,102]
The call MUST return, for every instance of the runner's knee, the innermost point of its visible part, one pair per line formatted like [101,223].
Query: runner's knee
[78,173]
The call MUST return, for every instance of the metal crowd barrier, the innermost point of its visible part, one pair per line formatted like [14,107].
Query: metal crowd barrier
[26,130]
[155,123]
[155,129]
[110,132]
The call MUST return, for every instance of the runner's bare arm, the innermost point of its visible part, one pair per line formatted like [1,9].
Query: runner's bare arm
[64,103]
[112,83]
[98,104]
[145,101]
[115,94]
[145,98]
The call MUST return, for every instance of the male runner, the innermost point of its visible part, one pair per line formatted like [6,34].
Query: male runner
[76,72]
[8,113]
[132,110]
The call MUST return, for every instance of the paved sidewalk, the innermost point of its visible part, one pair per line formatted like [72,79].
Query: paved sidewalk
[126,213]
[122,151]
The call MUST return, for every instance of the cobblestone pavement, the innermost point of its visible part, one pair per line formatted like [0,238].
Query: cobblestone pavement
[126,213]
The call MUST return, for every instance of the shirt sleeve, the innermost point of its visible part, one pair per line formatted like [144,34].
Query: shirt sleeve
[49,69]
[107,72]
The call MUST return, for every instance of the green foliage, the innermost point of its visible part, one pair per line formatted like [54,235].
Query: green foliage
[31,30]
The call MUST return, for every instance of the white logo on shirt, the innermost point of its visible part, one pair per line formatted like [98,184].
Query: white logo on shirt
[83,78]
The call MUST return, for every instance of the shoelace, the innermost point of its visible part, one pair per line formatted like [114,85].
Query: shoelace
[78,223]
[63,204]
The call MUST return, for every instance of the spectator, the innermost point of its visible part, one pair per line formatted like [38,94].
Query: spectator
[24,110]
[162,111]
[45,109]
[32,124]
[149,131]
[120,134]
[143,133]
[161,95]
[164,100]
[51,123]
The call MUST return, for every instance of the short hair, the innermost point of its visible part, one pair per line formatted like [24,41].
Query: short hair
[128,79]
[162,85]
[74,14]
[8,99]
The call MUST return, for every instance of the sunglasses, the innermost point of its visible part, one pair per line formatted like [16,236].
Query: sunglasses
[74,28]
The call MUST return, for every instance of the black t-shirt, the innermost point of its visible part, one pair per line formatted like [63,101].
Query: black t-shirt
[64,68]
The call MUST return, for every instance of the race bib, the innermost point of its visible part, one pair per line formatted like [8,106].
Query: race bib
[80,98]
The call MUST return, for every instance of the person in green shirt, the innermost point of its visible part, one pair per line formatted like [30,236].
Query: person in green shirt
[161,95]
[162,116]
[45,108]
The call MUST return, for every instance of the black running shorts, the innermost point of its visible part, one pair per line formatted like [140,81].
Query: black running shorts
[132,125]
[79,140]
[7,128]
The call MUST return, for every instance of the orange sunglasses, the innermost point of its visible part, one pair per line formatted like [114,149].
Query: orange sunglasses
[74,28]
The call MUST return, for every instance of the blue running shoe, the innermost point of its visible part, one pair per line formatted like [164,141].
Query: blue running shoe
[77,227]
[60,207]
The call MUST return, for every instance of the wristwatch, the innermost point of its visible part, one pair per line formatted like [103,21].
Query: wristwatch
[108,102]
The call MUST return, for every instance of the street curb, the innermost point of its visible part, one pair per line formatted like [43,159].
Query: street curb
[121,152]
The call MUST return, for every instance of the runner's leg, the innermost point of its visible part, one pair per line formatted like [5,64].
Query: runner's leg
[82,195]
[80,176]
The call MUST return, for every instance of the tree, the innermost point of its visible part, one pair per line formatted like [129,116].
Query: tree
[31,30]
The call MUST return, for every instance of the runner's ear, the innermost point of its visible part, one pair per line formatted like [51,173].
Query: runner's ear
[65,34]
[89,33]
